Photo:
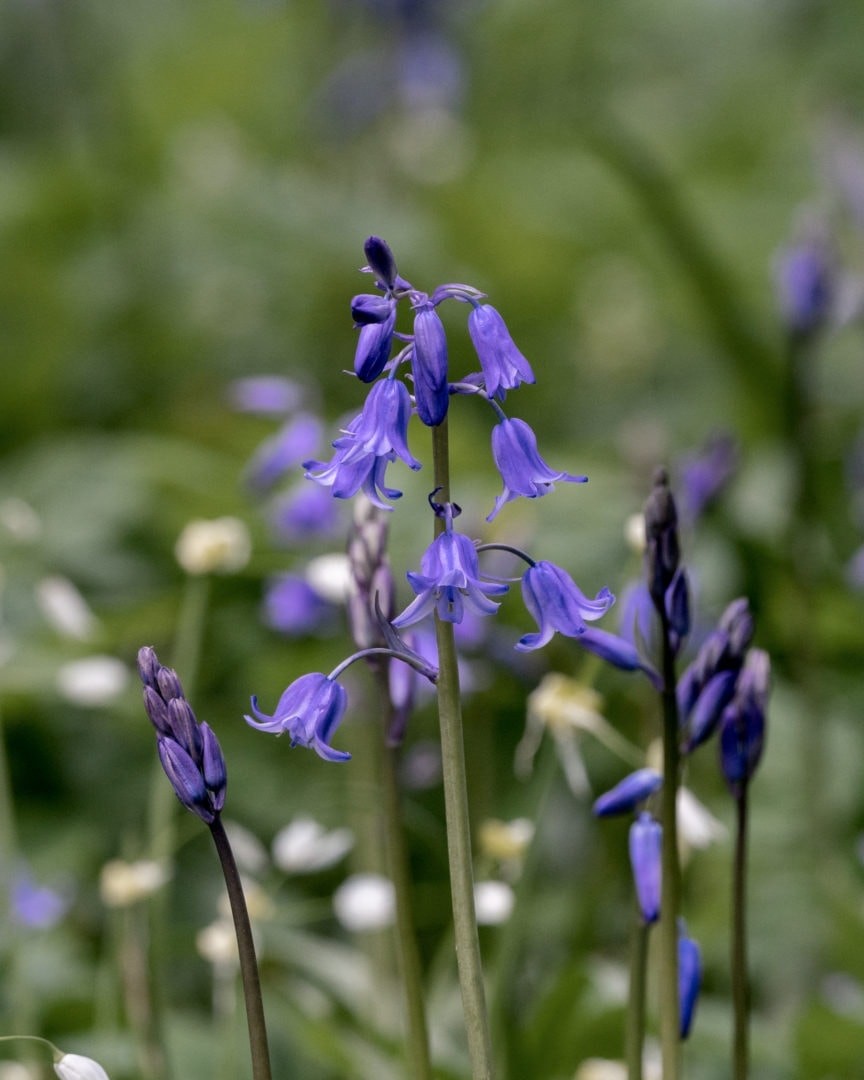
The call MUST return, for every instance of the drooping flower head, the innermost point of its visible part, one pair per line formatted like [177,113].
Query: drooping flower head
[524,472]
[449,581]
[503,365]
[309,711]
[556,602]
[374,438]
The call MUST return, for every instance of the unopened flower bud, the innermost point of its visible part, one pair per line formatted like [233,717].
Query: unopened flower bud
[661,539]
[76,1067]
[646,840]
[381,261]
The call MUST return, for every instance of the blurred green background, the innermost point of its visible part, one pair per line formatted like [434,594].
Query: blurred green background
[184,194]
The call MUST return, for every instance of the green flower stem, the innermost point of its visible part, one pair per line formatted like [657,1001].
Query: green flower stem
[740,987]
[670,1027]
[635,1023]
[456,813]
[420,1066]
[246,948]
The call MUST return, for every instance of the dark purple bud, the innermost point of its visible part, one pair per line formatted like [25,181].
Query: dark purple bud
[678,605]
[373,348]
[737,622]
[184,728]
[368,308]
[662,552]
[715,696]
[381,261]
[168,684]
[148,665]
[805,287]
[157,710]
[689,980]
[705,474]
[213,767]
[615,650]
[627,794]
[713,655]
[186,779]
[742,729]
[687,692]
[646,840]
[431,391]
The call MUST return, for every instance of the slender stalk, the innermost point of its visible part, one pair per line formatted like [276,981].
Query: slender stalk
[740,987]
[420,1066]
[635,1028]
[670,1027]
[246,948]
[456,813]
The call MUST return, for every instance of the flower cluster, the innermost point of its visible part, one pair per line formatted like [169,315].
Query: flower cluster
[377,436]
[450,583]
[189,751]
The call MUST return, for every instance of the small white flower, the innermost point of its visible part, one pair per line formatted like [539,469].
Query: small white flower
[93,681]
[20,520]
[217,944]
[493,902]
[634,533]
[330,577]
[76,1067]
[365,902]
[122,883]
[697,826]
[217,546]
[65,609]
[601,1069]
[305,846]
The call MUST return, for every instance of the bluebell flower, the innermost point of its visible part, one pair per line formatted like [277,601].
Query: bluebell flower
[305,512]
[309,711]
[706,473]
[296,440]
[626,795]
[370,308]
[265,394]
[373,347]
[375,437]
[742,728]
[524,472]
[37,906]
[689,979]
[429,365]
[190,753]
[381,261]
[614,649]
[503,365]
[293,607]
[557,603]
[449,582]
[709,707]
[805,287]
[645,843]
